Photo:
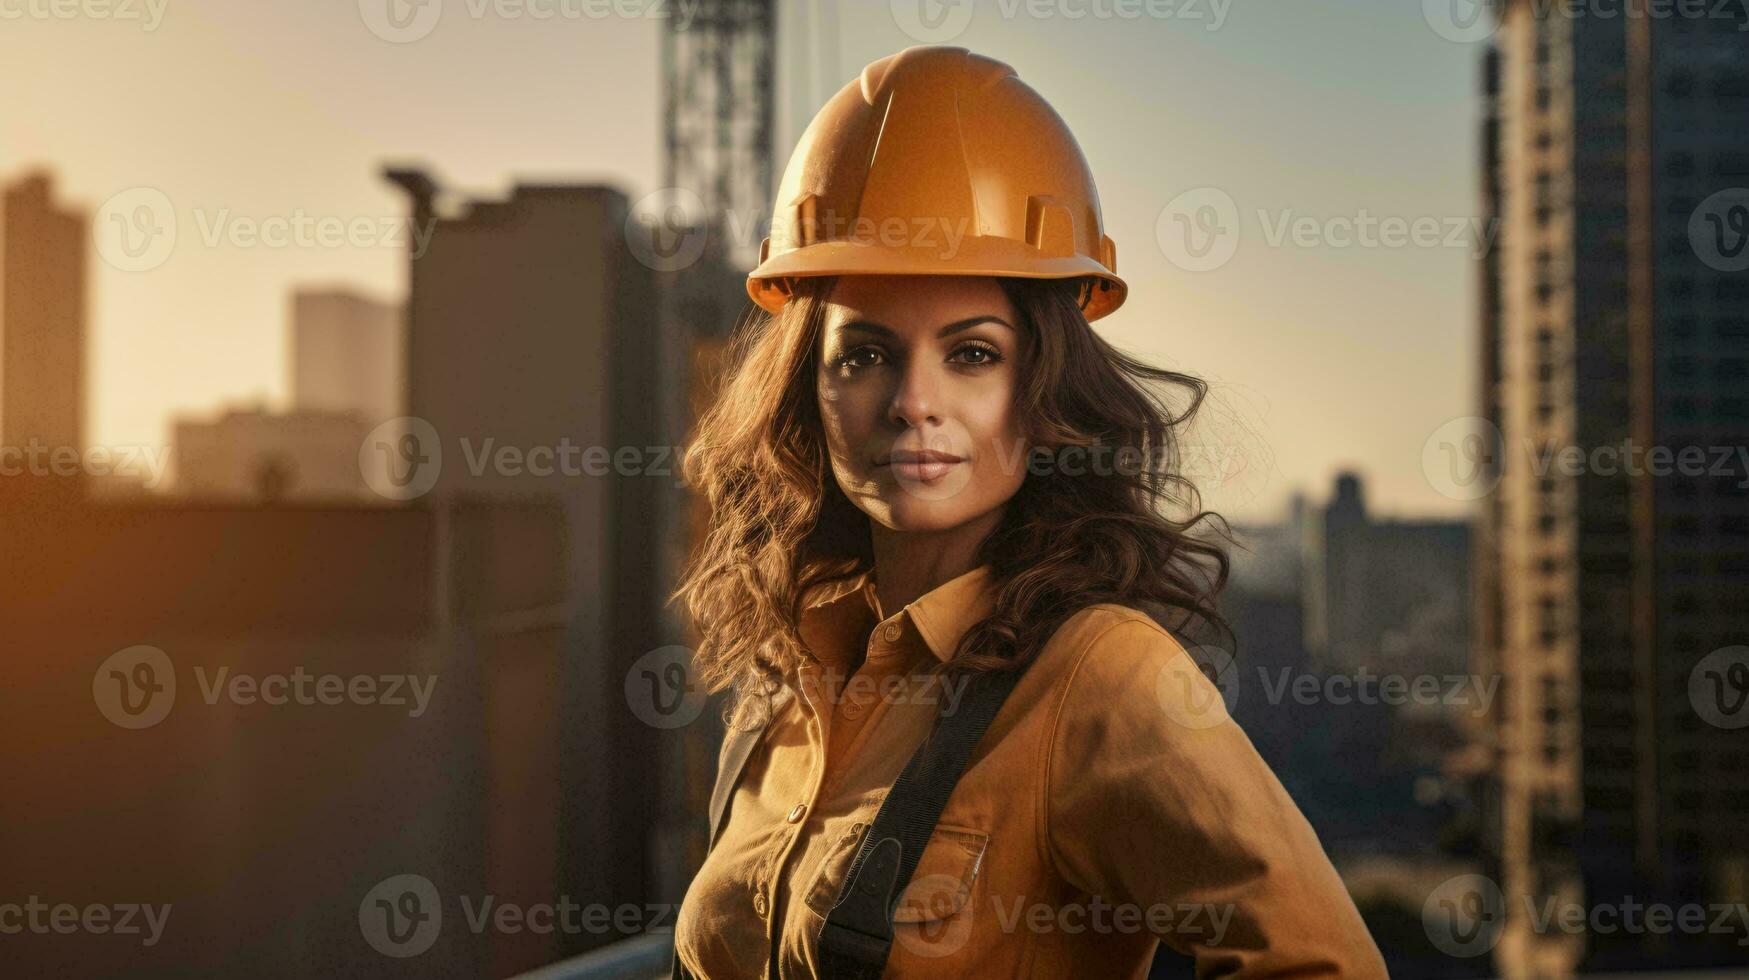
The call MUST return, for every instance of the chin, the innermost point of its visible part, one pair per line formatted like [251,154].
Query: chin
[911,514]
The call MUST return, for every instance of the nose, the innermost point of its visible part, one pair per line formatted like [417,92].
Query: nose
[914,401]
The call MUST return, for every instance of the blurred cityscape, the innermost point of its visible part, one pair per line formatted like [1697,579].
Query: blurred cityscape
[455,546]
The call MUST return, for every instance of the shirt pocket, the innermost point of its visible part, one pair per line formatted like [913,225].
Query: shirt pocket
[941,885]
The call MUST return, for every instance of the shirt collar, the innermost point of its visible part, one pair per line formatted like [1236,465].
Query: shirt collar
[942,615]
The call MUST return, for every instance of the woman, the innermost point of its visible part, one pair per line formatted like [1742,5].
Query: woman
[924,466]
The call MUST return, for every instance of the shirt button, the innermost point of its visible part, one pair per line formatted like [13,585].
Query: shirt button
[795,814]
[891,632]
[759,905]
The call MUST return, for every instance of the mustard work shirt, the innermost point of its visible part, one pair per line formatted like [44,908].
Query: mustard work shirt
[1112,804]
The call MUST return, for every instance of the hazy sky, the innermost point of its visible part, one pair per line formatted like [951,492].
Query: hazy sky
[1341,111]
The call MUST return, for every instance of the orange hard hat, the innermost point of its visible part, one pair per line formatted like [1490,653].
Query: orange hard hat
[938,161]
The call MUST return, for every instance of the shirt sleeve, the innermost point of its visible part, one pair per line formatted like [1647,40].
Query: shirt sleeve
[1155,799]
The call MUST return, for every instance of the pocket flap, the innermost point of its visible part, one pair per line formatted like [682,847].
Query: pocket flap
[941,885]
[837,863]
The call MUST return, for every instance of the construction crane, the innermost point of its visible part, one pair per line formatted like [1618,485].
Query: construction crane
[718,72]
[718,109]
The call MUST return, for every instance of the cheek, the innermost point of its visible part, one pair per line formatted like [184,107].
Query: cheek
[992,415]
[997,432]
[841,415]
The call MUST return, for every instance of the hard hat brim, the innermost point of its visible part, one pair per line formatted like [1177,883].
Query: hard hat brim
[971,256]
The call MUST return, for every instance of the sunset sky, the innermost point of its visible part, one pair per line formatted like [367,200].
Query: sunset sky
[1321,356]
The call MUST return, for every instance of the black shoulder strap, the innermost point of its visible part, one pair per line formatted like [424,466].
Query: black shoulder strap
[858,933]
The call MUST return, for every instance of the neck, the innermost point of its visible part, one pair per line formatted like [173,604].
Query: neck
[908,564]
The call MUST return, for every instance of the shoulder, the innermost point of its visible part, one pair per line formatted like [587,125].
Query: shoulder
[1111,659]
[1109,635]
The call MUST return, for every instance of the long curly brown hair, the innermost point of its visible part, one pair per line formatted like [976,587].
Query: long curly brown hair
[780,525]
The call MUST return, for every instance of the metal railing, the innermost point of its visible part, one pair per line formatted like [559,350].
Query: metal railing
[646,957]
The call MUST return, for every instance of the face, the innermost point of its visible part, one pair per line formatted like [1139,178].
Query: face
[916,385]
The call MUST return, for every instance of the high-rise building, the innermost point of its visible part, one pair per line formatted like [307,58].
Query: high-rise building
[1615,340]
[346,354]
[1383,594]
[42,318]
[535,371]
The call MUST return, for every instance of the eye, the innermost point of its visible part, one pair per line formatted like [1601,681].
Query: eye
[985,354]
[855,358]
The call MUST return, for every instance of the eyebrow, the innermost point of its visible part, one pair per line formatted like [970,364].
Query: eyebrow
[869,326]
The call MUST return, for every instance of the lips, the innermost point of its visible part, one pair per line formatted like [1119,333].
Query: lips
[922,465]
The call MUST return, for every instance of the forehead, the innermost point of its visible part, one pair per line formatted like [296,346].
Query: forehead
[914,304]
